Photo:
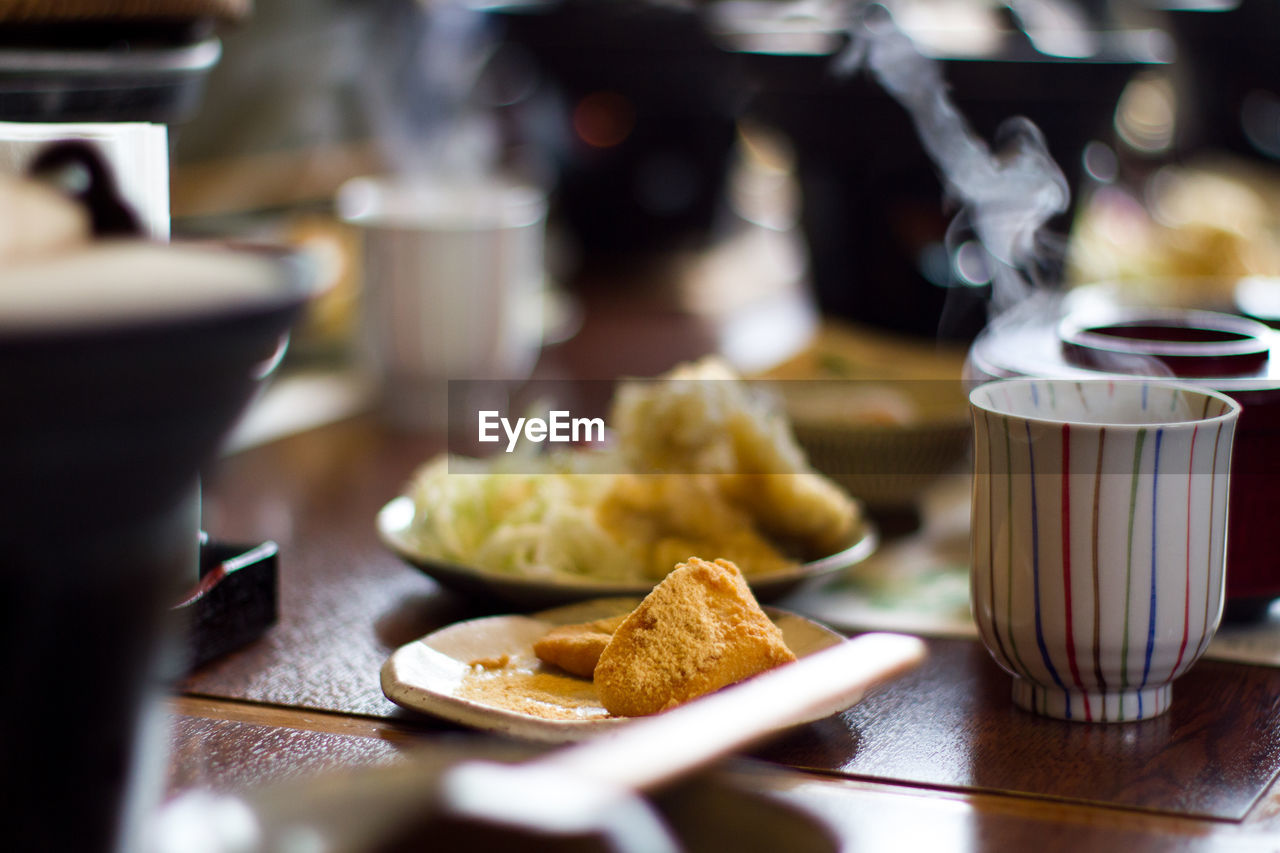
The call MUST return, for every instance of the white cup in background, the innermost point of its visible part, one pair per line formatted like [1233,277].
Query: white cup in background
[453,282]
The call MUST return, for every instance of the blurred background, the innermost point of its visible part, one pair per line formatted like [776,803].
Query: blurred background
[586,189]
[729,160]
[582,189]
[816,189]
[711,158]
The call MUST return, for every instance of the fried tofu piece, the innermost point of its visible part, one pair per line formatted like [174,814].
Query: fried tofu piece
[700,629]
[576,648]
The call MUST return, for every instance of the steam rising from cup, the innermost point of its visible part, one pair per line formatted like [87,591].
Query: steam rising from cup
[419,94]
[1006,196]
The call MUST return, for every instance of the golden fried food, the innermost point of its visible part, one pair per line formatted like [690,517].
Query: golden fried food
[702,465]
[576,648]
[703,420]
[804,509]
[667,518]
[700,629]
[698,419]
[1197,227]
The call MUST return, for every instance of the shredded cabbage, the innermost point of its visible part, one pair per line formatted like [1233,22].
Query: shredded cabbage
[720,475]
[537,521]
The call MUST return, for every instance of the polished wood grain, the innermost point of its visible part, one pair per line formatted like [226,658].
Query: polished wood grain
[951,724]
[238,747]
[939,760]
[226,756]
[320,722]
[345,601]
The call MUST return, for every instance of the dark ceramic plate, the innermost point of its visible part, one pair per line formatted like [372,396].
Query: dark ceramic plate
[393,528]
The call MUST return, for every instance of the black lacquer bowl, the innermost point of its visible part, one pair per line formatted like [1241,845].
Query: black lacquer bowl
[122,368]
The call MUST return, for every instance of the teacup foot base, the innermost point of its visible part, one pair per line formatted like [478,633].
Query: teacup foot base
[1119,706]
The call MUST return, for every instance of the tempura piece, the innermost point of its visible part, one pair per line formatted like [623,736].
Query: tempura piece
[700,629]
[691,421]
[576,648]
[1197,227]
[703,465]
[667,518]
[805,508]
[702,419]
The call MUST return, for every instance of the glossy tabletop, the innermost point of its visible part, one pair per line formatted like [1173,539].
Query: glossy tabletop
[938,760]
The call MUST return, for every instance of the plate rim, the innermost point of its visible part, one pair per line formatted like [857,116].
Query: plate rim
[580,589]
[487,718]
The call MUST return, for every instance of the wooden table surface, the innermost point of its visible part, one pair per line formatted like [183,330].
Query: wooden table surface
[939,760]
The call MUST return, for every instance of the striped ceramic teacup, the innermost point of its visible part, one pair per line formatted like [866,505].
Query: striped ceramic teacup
[1098,540]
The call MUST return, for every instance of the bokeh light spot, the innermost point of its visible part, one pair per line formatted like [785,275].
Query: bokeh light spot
[604,119]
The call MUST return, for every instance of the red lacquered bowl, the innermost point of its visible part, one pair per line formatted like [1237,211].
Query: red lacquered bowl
[1096,339]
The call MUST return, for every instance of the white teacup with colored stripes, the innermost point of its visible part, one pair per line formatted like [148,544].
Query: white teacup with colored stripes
[1098,538]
